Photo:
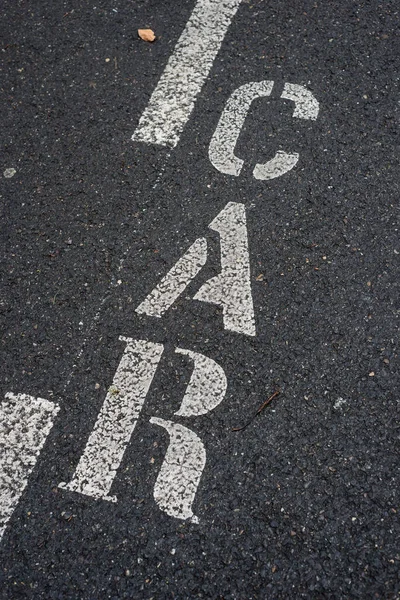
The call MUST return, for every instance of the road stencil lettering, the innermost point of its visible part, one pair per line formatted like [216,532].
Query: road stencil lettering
[231,289]
[173,100]
[222,146]
[180,473]
[25,423]
[223,142]
[176,281]
[306,106]
[206,388]
[117,420]
[185,458]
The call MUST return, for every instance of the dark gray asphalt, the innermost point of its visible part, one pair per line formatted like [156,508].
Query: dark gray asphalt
[304,503]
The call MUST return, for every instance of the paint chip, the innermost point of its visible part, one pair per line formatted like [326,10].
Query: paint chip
[8,173]
[147,35]
[339,403]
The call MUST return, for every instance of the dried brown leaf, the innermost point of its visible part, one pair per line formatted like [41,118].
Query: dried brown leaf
[147,35]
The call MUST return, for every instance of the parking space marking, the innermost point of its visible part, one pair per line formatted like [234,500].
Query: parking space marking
[25,423]
[172,101]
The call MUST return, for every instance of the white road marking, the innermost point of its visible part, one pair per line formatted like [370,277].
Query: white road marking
[232,288]
[280,164]
[176,280]
[223,142]
[25,423]
[306,105]
[206,388]
[180,473]
[185,458]
[183,464]
[173,100]
[116,421]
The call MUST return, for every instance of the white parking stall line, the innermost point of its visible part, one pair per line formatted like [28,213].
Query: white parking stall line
[172,101]
[25,423]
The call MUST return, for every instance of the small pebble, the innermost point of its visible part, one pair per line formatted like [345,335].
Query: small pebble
[8,173]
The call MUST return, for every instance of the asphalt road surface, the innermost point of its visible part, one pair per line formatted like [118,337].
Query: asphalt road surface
[199,300]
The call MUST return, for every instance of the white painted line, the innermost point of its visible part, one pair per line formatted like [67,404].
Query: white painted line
[25,423]
[206,388]
[116,421]
[173,100]
[176,280]
[232,288]
[180,473]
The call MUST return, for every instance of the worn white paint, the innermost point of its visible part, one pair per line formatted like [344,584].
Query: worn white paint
[176,280]
[280,164]
[25,423]
[173,100]
[222,146]
[185,458]
[306,105]
[232,288]
[206,388]
[180,473]
[117,419]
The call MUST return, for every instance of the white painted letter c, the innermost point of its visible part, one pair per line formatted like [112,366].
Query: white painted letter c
[222,146]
